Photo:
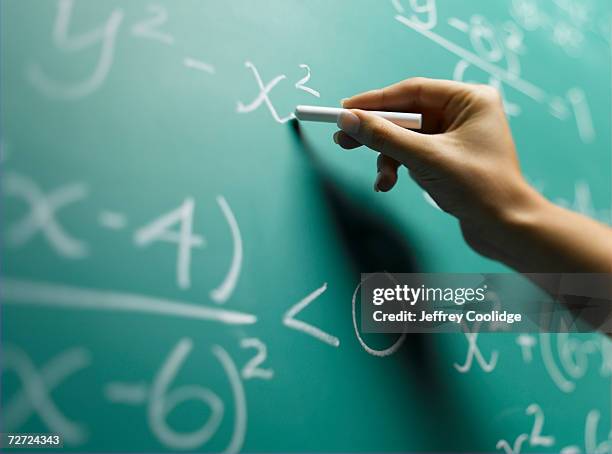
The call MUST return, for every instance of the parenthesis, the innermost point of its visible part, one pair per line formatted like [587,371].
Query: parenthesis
[240,420]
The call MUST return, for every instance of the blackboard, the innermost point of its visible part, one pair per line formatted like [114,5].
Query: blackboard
[179,264]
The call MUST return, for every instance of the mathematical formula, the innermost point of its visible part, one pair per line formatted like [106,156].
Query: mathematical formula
[485,52]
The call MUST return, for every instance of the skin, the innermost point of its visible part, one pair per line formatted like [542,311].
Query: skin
[465,158]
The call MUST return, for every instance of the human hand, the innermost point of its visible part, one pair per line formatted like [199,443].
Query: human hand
[464,157]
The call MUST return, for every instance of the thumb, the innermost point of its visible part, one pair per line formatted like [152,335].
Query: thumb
[403,145]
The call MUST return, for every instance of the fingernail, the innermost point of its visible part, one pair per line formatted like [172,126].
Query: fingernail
[377,182]
[349,122]
[335,137]
[343,100]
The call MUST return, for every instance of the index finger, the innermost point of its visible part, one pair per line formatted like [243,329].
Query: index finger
[416,94]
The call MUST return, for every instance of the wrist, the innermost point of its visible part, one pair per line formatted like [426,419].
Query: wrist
[539,236]
[517,225]
[528,208]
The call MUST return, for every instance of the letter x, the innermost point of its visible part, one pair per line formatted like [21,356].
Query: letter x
[37,385]
[263,96]
[474,352]
[42,214]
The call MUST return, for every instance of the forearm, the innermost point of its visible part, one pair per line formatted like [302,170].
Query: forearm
[542,237]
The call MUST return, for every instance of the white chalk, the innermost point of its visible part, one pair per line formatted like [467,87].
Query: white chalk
[331,114]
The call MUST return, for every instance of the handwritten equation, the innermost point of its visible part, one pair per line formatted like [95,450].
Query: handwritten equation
[151,27]
[495,50]
[485,52]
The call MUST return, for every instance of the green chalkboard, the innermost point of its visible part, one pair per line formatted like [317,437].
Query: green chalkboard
[179,265]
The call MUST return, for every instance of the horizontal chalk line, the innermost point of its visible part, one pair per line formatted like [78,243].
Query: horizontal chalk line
[199,65]
[25,292]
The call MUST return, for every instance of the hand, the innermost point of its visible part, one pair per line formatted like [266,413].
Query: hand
[464,157]
[466,160]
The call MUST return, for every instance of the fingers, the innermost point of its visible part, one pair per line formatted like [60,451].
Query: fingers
[405,146]
[345,141]
[386,176]
[417,94]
